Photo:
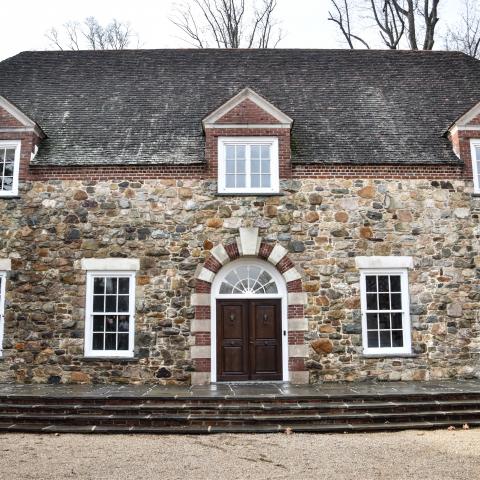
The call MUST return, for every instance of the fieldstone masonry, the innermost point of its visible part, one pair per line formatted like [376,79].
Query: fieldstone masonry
[179,227]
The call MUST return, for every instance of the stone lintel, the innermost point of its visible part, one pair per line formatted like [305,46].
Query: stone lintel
[200,351]
[297,324]
[298,351]
[200,326]
[200,299]
[5,264]
[220,254]
[106,264]
[249,241]
[297,298]
[383,262]
[277,254]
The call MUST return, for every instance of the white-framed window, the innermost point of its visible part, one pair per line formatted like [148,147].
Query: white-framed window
[248,165]
[475,151]
[3,278]
[110,314]
[9,167]
[385,311]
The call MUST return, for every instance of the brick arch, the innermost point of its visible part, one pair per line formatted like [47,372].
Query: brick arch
[248,244]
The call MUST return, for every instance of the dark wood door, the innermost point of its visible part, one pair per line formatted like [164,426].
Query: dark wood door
[249,340]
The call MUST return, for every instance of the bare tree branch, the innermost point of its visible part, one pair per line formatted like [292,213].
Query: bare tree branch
[92,35]
[465,36]
[389,21]
[228,23]
[342,19]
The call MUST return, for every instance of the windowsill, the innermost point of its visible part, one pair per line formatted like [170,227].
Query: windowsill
[9,197]
[476,194]
[389,355]
[248,194]
[111,359]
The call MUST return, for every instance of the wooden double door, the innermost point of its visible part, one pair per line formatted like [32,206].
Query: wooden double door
[249,340]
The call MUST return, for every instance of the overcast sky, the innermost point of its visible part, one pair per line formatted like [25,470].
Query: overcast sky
[24,23]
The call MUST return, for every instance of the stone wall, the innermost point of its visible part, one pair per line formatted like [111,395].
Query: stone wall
[172,224]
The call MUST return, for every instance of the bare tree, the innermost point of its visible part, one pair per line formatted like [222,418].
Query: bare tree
[91,35]
[465,36]
[394,19]
[228,23]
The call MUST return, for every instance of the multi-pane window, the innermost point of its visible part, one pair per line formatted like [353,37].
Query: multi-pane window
[9,160]
[110,314]
[2,308]
[475,149]
[248,165]
[385,312]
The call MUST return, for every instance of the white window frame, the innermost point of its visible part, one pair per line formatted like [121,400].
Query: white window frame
[3,280]
[89,352]
[274,164]
[407,342]
[16,166]
[474,144]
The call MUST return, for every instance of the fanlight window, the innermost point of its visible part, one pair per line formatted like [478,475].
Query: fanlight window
[248,279]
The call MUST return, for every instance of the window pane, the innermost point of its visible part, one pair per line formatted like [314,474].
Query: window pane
[97,341]
[123,285]
[230,166]
[266,151]
[110,341]
[385,339]
[266,181]
[7,183]
[111,303]
[384,301]
[111,323]
[397,320]
[8,170]
[397,338]
[123,341]
[395,283]
[98,303]
[477,150]
[240,181]
[373,339]
[371,282]
[111,284]
[123,323]
[98,285]
[372,301]
[384,321]
[396,301]
[255,166]
[265,166]
[240,152]
[230,181]
[255,181]
[372,321]
[230,152]
[383,283]
[98,323]
[10,155]
[255,151]
[123,303]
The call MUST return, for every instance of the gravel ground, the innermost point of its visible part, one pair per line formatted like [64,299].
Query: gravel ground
[412,454]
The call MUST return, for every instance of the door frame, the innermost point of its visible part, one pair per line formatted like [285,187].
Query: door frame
[282,295]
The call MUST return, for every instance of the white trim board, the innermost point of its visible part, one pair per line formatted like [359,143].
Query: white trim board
[16,113]
[247,93]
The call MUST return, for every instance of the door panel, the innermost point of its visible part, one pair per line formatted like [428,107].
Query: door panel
[249,340]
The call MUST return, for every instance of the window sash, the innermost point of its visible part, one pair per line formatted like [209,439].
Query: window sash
[404,311]
[10,144]
[475,156]
[91,313]
[3,279]
[272,142]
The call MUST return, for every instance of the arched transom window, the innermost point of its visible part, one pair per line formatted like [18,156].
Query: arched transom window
[248,279]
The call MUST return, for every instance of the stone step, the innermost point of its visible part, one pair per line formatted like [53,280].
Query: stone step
[293,428]
[220,419]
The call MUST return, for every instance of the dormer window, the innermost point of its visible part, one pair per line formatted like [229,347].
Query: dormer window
[475,150]
[248,165]
[9,167]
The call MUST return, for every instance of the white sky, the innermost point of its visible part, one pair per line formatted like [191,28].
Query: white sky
[24,23]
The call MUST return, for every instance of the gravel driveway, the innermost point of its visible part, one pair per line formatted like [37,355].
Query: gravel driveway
[403,455]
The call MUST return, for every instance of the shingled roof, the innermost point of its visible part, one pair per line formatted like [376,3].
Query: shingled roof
[146,106]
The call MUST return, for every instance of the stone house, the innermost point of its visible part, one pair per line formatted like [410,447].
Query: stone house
[210,215]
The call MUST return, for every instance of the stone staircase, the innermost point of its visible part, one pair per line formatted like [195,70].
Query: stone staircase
[348,412]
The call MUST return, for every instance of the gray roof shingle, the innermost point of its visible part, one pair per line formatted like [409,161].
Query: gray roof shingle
[146,106]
